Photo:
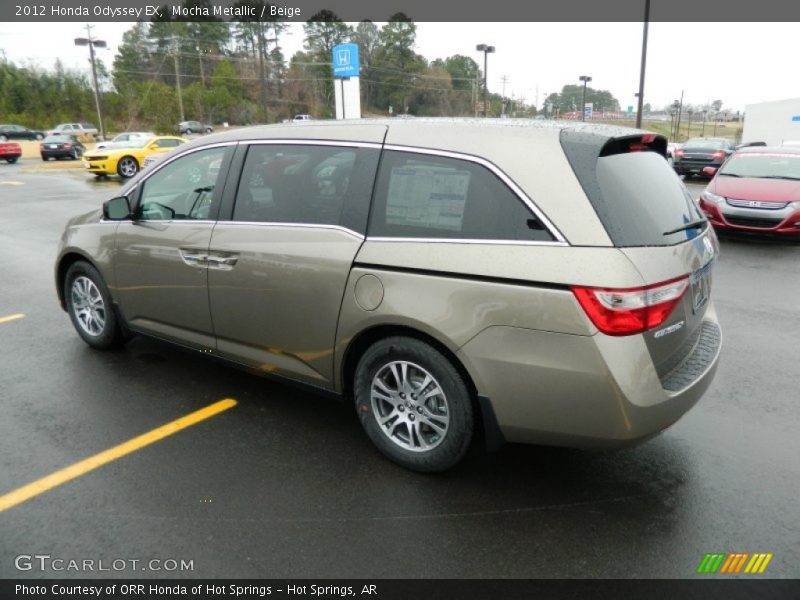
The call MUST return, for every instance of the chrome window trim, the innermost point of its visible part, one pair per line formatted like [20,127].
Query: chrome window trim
[433,240]
[560,240]
[171,159]
[312,142]
[353,233]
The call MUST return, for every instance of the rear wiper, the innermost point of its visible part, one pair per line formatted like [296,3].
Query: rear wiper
[690,225]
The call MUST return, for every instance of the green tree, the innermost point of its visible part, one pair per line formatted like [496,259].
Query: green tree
[396,64]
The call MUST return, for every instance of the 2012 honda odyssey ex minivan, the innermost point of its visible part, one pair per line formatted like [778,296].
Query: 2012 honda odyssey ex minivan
[525,281]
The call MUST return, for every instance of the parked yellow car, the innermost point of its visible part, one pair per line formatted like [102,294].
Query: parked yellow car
[126,162]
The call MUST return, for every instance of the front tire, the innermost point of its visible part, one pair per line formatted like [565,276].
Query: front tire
[90,308]
[39,136]
[413,404]
[188,132]
[127,167]
[11,161]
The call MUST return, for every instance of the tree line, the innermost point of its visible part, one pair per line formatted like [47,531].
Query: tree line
[216,71]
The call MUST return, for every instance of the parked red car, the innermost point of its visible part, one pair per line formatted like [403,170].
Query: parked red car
[10,151]
[757,190]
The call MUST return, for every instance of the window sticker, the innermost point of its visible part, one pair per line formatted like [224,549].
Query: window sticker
[427,196]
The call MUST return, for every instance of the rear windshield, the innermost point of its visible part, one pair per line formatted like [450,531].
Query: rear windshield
[61,139]
[637,196]
[705,144]
[642,199]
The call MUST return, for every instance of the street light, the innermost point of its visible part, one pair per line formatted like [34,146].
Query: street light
[91,42]
[487,50]
[585,79]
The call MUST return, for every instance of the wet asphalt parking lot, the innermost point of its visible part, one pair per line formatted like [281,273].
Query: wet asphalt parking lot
[284,484]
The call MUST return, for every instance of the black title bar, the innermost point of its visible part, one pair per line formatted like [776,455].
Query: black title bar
[417,10]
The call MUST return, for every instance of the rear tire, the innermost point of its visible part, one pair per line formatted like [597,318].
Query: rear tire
[413,404]
[45,158]
[208,130]
[3,138]
[11,161]
[39,136]
[188,132]
[90,307]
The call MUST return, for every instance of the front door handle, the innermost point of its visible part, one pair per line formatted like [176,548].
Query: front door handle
[218,261]
[194,258]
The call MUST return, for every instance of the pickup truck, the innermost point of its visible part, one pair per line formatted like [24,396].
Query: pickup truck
[10,151]
[86,129]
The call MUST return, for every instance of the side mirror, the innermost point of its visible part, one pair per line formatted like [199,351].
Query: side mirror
[117,209]
[152,146]
[710,171]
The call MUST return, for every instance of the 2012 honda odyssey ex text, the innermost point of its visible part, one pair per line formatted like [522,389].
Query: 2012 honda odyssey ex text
[531,282]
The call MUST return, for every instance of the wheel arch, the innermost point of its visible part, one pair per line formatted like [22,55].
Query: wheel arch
[64,263]
[485,422]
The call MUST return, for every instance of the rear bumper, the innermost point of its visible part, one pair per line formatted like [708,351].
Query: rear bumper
[585,391]
[57,153]
[688,167]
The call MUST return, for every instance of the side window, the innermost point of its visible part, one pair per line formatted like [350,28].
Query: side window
[183,189]
[167,143]
[300,184]
[426,196]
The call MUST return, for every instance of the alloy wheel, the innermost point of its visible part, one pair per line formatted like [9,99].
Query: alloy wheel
[128,167]
[410,406]
[88,306]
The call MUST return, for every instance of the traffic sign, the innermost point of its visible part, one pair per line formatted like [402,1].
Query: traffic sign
[345,60]
[630,111]
[587,110]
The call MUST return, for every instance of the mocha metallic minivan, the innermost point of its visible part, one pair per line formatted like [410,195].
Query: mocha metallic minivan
[516,281]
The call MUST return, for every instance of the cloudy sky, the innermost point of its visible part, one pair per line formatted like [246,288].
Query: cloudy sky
[738,63]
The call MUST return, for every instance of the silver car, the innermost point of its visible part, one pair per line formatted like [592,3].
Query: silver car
[511,281]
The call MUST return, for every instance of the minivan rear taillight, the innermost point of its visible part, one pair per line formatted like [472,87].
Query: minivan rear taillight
[632,310]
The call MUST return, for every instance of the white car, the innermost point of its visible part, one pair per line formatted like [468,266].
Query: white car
[121,140]
[74,129]
[299,118]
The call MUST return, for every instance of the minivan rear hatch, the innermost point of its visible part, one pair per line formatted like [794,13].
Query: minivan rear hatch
[650,216]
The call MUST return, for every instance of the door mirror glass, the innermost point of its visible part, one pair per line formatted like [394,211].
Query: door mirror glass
[117,209]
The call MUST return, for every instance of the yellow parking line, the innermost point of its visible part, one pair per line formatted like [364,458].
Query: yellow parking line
[47,483]
[12,318]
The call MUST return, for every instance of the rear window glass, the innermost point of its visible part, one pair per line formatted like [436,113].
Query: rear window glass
[705,145]
[424,196]
[640,199]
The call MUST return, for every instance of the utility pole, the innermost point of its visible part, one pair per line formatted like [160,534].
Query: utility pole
[678,122]
[200,62]
[178,85]
[91,42]
[175,48]
[644,61]
[503,104]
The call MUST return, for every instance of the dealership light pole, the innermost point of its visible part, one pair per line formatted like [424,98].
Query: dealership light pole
[644,61]
[91,42]
[487,50]
[585,79]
